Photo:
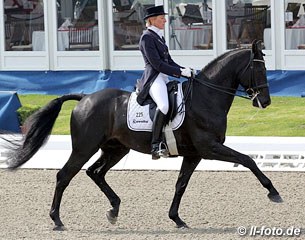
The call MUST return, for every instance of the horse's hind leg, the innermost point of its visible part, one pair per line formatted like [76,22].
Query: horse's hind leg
[110,156]
[64,176]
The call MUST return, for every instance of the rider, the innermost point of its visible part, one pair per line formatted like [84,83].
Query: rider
[158,65]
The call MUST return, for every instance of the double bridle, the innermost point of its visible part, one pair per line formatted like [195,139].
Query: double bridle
[253,90]
[251,93]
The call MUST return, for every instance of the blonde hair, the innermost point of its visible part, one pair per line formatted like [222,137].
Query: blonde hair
[148,21]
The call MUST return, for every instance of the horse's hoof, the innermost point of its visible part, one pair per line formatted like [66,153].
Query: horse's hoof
[185,227]
[275,198]
[59,228]
[182,226]
[111,218]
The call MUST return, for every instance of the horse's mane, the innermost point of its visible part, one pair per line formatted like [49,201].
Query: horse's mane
[220,61]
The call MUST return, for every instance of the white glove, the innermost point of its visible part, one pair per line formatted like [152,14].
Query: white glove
[186,72]
[194,72]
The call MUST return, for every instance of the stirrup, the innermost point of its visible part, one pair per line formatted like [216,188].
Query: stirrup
[163,150]
[160,150]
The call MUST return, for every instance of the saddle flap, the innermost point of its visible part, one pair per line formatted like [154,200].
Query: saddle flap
[138,117]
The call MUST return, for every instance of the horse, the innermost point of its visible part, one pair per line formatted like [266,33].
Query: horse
[98,121]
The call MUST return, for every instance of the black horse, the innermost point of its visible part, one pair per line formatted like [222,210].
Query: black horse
[99,122]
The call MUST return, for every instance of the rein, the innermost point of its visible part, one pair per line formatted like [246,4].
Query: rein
[251,93]
[222,89]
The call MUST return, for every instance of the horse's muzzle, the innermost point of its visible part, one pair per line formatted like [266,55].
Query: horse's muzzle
[261,102]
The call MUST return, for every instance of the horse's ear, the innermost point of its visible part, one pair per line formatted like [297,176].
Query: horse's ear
[256,46]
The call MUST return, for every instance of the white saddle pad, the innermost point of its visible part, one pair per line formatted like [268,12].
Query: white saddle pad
[138,116]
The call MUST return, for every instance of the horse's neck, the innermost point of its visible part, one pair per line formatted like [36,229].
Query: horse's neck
[220,94]
[223,78]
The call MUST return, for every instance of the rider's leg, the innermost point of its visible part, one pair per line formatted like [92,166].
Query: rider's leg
[158,92]
[156,141]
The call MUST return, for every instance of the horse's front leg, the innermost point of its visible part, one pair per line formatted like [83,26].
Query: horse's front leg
[223,153]
[189,164]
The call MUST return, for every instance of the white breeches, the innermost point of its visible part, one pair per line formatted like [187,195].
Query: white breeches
[158,92]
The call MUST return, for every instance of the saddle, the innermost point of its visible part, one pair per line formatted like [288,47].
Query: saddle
[172,89]
[140,118]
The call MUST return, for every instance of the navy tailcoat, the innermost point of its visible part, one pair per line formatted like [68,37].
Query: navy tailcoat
[157,59]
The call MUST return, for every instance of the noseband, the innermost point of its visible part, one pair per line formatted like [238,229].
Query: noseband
[254,89]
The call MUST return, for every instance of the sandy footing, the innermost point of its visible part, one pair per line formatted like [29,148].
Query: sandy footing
[215,205]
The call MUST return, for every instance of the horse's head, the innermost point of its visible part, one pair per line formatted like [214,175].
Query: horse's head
[254,78]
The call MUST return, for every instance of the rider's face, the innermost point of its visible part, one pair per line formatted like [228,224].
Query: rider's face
[158,21]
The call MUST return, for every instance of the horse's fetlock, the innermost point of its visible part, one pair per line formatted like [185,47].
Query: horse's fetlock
[116,202]
[53,215]
[172,215]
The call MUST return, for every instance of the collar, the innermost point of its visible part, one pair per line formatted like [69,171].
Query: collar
[157,31]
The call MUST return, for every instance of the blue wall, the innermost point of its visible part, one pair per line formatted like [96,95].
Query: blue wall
[9,103]
[281,83]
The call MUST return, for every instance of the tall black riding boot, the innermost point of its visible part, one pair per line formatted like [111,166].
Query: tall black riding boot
[158,147]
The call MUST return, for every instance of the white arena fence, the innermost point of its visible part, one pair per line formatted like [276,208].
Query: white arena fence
[270,154]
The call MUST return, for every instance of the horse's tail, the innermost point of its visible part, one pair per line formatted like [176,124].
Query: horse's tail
[38,128]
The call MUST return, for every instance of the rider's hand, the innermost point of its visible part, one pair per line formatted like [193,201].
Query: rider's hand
[193,71]
[186,72]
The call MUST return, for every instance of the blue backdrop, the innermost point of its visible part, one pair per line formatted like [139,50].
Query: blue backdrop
[9,103]
[63,82]
[281,83]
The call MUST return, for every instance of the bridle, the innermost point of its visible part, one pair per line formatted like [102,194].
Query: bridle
[251,93]
[254,89]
